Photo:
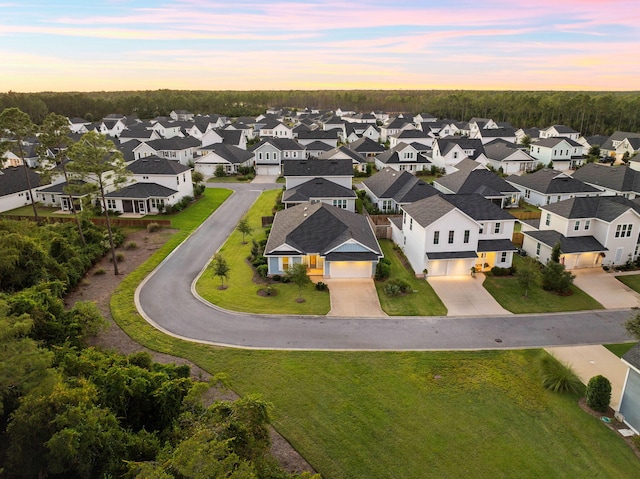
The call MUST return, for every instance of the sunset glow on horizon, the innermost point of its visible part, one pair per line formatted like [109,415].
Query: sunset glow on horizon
[323,44]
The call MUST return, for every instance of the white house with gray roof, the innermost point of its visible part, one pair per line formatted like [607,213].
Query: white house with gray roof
[611,180]
[230,157]
[269,154]
[507,157]
[563,152]
[593,231]
[556,131]
[389,189]
[449,151]
[14,187]
[447,235]
[548,186]
[629,410]
[332,242]
[403,157]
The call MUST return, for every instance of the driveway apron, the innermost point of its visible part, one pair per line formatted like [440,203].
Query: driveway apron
[465,296]
[354,298]
[605,288]
[589,361]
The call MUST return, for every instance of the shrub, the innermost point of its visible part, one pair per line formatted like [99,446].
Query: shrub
[262,270]
[598,393]
[119,257]
[99,271]
[285,279]
[259,261]
[131,245]
[497,271]
[276,277]
[198,189]
[558,377]
[556,278]
[320,286]
[396,287]
[153,227]
[383,269]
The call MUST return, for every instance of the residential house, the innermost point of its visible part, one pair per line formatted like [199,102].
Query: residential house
[175,148]
[403,158]
[411,136]
[592,231]
[366,147]
[394,127]
[548,186]
[482,182]
[270,152]
[112,126]
[343,152]
[275,129]
[559,131]
[611,180]
[315,149]
[563,153]
[167,129]
[78,125]
[449,151]
[230,157]
[447,235]
[181,115]
[328,137]
[140,133]
[507,158]
[486,135]
[389,190]
[532,133]
[629,410]
[424,118]
[14,186]
[332,242]
[57,196]
[609,149]
[297,172]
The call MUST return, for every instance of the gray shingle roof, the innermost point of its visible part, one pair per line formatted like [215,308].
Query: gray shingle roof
[618,136]
[317,168]
[319,228]
[280,143]
[495,245]
[481,181]
[392,157]
[403,187]
[366,145]
[606,208]
[633,356]
[428,210]
[343,150]
[500,150]
[153,165]
[618,178]
[479,208]
[13,180]
[568,245]
[550,182]
[142,191]
[554,141]
[176,143]
[316,188]
[231,153]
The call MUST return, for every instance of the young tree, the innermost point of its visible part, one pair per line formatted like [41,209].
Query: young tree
[96,160]
[220,268]
[19,125]
[197,177]
[526,141]
[297,274]
[54,138]
[598,394]
[528,275]
[219,173]
[245,228]
[554,275]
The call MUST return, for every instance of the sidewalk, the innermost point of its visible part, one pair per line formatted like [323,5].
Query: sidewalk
[589,361]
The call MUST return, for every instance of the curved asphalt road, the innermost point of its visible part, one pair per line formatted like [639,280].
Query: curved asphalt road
[166,299]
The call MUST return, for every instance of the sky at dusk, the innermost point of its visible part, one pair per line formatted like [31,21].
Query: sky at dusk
[321,44]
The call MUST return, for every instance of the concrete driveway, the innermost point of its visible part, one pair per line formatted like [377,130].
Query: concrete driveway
[261,179]
[354,298]
[605,288]
[465,296]
[589,361]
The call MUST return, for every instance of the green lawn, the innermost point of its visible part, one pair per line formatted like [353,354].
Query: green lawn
[510,295]
[242,293]
[620,349]
[384,414]
[424,302]
[632,280]
[27,210]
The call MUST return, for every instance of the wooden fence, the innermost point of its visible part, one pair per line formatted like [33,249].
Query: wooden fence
[526,215]
[517,238]
[380,224]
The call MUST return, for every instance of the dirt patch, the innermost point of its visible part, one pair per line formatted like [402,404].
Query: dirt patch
[99,288]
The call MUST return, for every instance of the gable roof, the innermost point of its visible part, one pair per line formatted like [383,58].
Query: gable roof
[554,141]
[13,180]
[319,228]
[500,150]
[366,145]
[447,143]
[618,178]
[402,187]
[153,165]
[317,168]
[633,356]
[317,188]
[176,143]
[568,245]
[479,208]
[280,144]
[429,210]
[142,191]
[230,153]
[618,136]
[479,181]
[606,208]
[547,181]
[343,150]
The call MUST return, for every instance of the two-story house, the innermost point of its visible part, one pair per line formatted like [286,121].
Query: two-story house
[611,180]
[403,157]
[269,154]
[389,189]
[548,186]
[564,153]
[449,151]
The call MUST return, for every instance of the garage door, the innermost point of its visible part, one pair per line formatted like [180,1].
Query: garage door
[459,267]
[350,269]
[271,170]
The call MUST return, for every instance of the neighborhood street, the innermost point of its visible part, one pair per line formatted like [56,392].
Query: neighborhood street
[167,300]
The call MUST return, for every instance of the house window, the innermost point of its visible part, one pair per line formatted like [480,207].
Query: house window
[576,226]
[548,199]
[340,204]
[386,205]
[587,224]
[285,263]
[404,218]
[111,204]
[177,180]
[266,155]
[466,236]
[259,156]
[538,250]
[558,198]
[436,237]
[481,228]
[623,231]
[410,223]
[527,193]
[451,236]
[503,257]
[496,229]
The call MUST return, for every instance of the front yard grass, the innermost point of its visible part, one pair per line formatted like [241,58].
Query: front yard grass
[631,280]
[417,414]
[423,302]
[242,293]
[510,295]
[620,349]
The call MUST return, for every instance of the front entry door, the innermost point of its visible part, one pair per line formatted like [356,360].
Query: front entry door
[142,207]
[313,261]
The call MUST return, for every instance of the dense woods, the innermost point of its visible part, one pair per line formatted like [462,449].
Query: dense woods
[587,112]
[68,411]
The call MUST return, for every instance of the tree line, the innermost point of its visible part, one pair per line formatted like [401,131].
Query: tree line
[588,112]
[72,411]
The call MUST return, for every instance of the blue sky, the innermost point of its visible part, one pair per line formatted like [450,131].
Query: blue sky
[211,44]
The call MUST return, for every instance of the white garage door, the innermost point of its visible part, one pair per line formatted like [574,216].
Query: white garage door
[350,269]
[459,267]
[272,170]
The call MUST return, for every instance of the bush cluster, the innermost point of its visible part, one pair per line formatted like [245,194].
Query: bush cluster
[383,269]
[558,377]
[153,227]
[497,271]
[598,393]
[320,286]
[396,287]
